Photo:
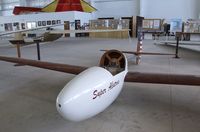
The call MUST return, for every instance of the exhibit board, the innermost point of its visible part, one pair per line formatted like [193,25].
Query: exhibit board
[151,24]
[176,25]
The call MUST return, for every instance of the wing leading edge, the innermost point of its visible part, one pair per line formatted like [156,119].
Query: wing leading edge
[142,53]
[160,78]
[72,69]
[138,77]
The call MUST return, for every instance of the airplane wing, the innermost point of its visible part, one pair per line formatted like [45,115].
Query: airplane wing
[46,65]
[130,77]
[142,53]
[160,78]
[145,53]
[193,43]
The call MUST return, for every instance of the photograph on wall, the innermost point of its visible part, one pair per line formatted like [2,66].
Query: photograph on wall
[145,24]
[53,22]
[48,22]
[39,23]
[23,25]
[58,21]
[43,23]
[151,23]
[156,24]
[31,25]
[8,27]
[16,26]
[176,25]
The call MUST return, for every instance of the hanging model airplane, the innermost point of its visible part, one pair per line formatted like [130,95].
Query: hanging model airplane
[57,6]
[95,88]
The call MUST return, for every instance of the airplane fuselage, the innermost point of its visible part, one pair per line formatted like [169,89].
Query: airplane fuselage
[89,93]
[93,90]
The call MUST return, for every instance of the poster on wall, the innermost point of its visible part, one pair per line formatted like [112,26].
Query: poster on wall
[8,27]
[145,24]
[176,25]
[156,24]
[23,25]
[16,26]
[151,24]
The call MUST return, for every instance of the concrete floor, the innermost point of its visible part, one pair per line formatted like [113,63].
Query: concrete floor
[28,94]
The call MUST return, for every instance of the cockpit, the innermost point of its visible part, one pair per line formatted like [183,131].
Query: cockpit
[113,61]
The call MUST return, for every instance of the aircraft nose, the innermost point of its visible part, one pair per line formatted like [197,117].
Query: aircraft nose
[59,105]
[66,106]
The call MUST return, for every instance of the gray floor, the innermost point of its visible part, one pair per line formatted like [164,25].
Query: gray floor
[27,94]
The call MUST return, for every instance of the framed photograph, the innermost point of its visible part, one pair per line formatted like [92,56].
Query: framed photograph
[23,25]
[31,25]
[53,22]
[176,25]
[48,22]
[16,26]
[8,27]
[58,21]
[145,24]
[44,23]
[156,24]
[39,23]
[151,22]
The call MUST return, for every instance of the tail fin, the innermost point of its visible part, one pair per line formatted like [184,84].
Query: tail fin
[68,5]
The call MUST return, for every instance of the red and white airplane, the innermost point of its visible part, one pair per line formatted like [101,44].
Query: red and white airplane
[95,88]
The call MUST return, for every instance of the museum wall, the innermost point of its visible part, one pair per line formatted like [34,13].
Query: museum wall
[170,9]
[116,8]
[198,9]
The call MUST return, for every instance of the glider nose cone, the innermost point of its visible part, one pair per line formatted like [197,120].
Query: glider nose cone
[70,100]
[65,106]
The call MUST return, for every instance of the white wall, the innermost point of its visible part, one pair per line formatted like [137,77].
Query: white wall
[63,16]
[170,9]
[198,9]
[116,8]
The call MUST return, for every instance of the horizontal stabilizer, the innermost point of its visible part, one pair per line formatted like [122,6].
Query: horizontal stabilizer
[143,53]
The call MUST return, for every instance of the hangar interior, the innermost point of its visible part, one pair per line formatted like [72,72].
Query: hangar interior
[28,95]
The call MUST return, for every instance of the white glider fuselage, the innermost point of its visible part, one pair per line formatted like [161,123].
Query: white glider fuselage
[89,93]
